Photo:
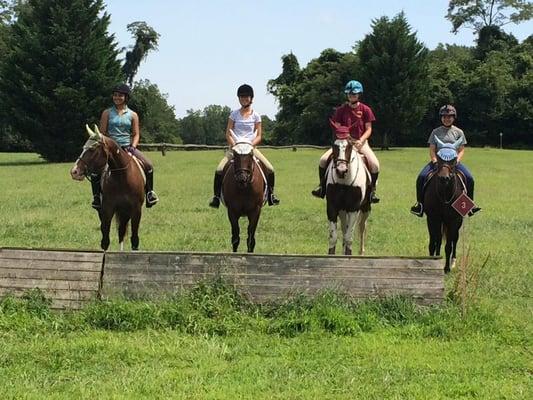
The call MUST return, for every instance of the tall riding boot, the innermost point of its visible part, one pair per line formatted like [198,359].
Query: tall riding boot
[373,197]
[217,190]
[271,197]
[97,190]
[320,190]
[151,197]
[470,193]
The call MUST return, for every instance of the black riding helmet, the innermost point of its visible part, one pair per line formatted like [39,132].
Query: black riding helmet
[122,88]
[245,90]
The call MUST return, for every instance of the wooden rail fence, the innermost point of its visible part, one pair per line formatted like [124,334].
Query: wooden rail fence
[164,147]
[74,278]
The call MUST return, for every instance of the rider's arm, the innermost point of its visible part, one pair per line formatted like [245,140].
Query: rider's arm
[366,134]
[103,122]
[229,137]
[135,130]
[433,153]
[259,136]
[460,153]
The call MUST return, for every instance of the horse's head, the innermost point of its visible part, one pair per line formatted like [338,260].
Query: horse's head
[342,155]
[93,157]
[447,159]
[243,163]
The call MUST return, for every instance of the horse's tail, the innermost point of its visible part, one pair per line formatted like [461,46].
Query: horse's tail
[444,231]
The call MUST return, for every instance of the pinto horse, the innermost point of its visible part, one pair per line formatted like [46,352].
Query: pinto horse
[443,188]
[243,192]
[122,185]
[347,195]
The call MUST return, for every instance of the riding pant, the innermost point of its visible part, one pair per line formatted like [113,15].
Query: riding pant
[229,156]
[422,177]
[371,159]
[147,164]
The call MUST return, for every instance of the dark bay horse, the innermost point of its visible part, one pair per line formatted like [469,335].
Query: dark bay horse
[243,192]
[122,185]
[347,195]
[444,187]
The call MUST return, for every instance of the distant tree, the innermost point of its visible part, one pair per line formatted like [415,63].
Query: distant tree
[394,72]
[146,39]
[477,14]
[61,66]
[284,89]
[268,125]
[493,38]
[205,127]
[157,117]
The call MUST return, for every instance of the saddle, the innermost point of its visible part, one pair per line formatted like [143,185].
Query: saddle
[139,164]
[432,173]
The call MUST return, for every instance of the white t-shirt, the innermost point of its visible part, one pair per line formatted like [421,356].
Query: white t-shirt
[244,126]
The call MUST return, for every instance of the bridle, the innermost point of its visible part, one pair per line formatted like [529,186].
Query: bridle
[89,171]
[453,176]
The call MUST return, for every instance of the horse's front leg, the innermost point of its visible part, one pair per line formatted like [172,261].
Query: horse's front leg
[361,223]
[435,235]
[348,223]
[135,222]
[450,249]
[105,226]
[253,220]
[332,218]
[235,231]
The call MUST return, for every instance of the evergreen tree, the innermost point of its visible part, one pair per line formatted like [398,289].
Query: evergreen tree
[146,39]
[59,73]
[394,72]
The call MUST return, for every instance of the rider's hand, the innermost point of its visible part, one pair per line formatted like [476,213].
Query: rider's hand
[358,144]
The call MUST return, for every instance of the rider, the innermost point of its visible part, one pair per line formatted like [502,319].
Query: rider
[358,117]
[122,125]
[447,133]
[245,123]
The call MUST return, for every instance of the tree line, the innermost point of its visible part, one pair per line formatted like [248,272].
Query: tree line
[58,64]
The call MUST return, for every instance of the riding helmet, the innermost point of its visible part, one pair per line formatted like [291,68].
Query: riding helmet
[448,109]
[122,88]
[353,87]
[245,90]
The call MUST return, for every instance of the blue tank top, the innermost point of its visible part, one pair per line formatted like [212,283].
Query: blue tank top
[119,126]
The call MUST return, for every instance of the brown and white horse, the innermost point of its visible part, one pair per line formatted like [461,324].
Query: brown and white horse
[122,185]
[347,195]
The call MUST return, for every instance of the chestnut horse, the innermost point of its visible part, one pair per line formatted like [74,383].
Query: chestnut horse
[347,195]
[122,185]
[243,192]
[443,188]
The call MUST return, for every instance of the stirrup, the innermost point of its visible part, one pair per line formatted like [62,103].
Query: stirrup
[151,199]
[97,203]
[473,211]
[215,202]
[272,200]
[318,192]
[418,210]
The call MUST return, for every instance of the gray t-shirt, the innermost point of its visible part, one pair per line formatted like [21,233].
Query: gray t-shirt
[447,135]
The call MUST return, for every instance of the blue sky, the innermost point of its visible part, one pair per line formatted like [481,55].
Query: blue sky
[208,48]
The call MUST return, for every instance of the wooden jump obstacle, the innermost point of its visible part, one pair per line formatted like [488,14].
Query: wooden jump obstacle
[71,279]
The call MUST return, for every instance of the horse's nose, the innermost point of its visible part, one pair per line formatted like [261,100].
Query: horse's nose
[75,173]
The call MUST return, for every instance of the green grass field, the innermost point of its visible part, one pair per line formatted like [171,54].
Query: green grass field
[436,355]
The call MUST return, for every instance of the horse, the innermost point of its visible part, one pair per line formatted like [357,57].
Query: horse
[443,188]
[348,191]
[122,185]
[243,192]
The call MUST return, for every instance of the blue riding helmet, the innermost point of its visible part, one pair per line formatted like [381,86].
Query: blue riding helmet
[353,87]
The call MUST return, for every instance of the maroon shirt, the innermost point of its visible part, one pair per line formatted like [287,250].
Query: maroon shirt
[355,118]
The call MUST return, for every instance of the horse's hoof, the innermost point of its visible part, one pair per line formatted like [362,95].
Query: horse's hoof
[446,270]
[331,250]
[453,264]
[348,252]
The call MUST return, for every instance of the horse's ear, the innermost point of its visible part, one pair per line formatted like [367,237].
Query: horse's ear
[98,134]
[458,143]
[92,135]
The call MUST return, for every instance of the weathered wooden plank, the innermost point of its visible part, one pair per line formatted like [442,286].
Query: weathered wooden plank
[51,255]
[49,284]
[25,264]
[49,274]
